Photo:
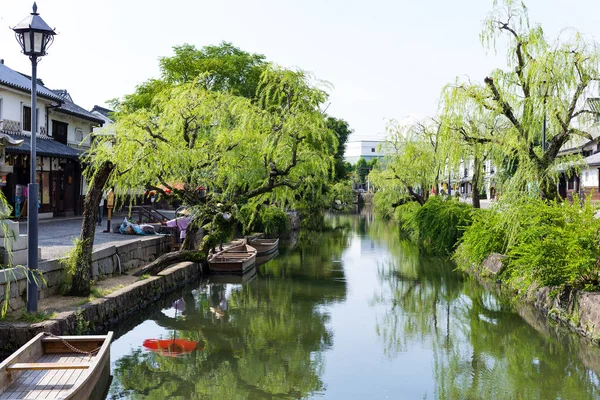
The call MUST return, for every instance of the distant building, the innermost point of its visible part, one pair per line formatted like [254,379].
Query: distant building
[367,149]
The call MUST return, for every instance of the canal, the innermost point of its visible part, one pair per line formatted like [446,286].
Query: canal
[353,313]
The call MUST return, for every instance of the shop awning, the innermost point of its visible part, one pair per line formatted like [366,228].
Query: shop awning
[46,147]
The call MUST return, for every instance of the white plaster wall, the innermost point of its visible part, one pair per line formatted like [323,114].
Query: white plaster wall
[73,123]
[363,148]
[589,177]
[13,102]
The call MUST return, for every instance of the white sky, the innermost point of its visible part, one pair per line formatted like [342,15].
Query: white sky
[385,58]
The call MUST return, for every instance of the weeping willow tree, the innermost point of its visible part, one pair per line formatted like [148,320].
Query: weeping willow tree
[276,150]
[543,81]
[469,133]
[411,166]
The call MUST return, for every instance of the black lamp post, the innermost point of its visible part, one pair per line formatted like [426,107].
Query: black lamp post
[34,36]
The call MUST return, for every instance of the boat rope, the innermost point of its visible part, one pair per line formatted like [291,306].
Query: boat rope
[73,348]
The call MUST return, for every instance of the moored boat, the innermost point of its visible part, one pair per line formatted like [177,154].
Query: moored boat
[264,246]
[238,259]
[58,367]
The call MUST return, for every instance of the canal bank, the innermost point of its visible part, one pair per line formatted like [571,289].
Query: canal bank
[578,310]
[97,315]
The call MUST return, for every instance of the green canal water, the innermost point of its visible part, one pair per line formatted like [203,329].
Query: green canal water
[354,313]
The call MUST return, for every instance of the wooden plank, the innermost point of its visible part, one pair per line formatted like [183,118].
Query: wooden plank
[31,351]
[60,347]
[72,381]
[93,338]
[37,390]
[29,388]
[61,377]
[46,366]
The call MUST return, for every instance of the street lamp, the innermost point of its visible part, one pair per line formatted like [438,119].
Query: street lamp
[34,36]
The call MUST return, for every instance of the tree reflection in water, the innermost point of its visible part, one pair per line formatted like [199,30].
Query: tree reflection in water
[261,340]
[482,349]
[267,339]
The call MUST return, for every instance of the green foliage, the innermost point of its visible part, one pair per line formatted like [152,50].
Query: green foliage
[273,149]
[441,223]
[362,170]
[436,226]
[275,222]
[342,132]
[341,196]
[406,216]
[412,162]
[82,326]
[69,262]
[486,235]
[556,244]
[40,316]
[544,84]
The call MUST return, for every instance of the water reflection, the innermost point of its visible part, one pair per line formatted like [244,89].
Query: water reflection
[482,348]
[263,339]
[352,313]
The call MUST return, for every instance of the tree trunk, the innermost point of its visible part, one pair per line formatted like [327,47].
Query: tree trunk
[476,181]
[416,196]
[83,257]
[166,260]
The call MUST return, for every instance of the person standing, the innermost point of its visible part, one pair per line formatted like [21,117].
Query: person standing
[101,208]
[110,203]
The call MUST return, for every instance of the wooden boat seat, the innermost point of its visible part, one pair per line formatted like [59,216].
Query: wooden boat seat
[46,366]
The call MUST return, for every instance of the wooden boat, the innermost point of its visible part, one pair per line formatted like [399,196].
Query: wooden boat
[264,246]
[236,259]
[236,279]
[47,367]
[265,259]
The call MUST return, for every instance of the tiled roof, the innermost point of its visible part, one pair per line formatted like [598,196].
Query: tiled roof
[593,160]
[68,107]
[104,111]
[15,80]
[44,146]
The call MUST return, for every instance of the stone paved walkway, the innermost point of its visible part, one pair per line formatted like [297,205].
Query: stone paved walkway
[56,236]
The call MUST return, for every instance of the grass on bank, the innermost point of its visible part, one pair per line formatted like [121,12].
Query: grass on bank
[545,243]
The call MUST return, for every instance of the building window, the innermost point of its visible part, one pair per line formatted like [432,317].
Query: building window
[27,118]
[1,106]
[78,135]
[59,131]
[372,149]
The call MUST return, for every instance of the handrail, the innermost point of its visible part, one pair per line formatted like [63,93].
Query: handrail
[150,213]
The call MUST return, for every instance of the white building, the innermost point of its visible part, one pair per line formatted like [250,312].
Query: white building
[367,149]
[63,133]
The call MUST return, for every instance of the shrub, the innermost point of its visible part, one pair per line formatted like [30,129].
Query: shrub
[553,244]
[441,223]
[275,221]
[405,215]
[485,236]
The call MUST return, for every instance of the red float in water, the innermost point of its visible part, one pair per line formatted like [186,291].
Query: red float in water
[170,347]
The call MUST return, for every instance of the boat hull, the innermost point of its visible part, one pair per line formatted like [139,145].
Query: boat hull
[233,261]
[48,368]
[264,246]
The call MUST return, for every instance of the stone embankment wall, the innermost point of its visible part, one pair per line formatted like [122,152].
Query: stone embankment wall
[578,310]
[108,261]
[367,197]
[101,314]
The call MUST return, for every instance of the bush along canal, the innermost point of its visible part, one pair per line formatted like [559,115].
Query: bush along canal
[351,313]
